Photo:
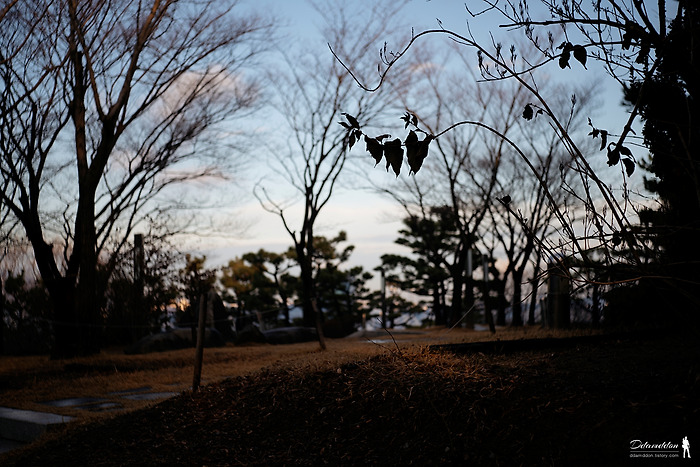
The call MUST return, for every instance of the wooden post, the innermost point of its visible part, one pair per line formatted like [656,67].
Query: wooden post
[319,327]
[199,351]
[260,320]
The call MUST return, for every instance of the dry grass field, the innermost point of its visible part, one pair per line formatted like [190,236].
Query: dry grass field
[26,382]
[384,402]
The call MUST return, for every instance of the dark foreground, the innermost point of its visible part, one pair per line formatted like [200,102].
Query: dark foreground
[581,405]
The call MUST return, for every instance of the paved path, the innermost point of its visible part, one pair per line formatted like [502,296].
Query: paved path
[18,427]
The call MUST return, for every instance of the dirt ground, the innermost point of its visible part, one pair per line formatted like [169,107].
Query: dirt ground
[576,404]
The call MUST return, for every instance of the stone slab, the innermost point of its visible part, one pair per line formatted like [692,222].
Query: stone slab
[101,406]
[27,425]
[149,396]
[129,391]
[73,401]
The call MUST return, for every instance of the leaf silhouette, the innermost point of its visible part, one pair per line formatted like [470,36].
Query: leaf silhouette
[416,158]
[565,54]
[352,120]
[393,152]
[603,139]
[625,151]
[351,139]
[613,155]
[580,54]
[406,118]
[375,148]
[411,143]
[528,112]
[629,166]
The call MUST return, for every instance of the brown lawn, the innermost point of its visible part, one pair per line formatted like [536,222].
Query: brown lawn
[361,403]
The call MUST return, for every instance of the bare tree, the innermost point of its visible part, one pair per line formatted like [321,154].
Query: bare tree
[462,170]
[313,91]
[522,223]
[105,102]
[631,43]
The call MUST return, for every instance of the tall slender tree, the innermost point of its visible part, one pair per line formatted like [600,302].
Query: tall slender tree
[313,92]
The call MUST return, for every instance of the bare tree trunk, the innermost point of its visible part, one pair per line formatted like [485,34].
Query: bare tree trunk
[533,299]
[470,320]
[2,319]
[535,287]
[456,309]
[501,302]
[61,293]
[595,306]
[86,302]
[438,310]
[516,304]
[307,287]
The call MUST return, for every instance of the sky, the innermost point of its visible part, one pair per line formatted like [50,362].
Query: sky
[371,220]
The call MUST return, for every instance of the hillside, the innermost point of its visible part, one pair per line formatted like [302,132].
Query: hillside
[580,405]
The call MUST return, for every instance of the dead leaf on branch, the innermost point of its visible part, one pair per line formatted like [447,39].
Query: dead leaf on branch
[595,132]
[375,148]
[580,55]
[352,120]
[613,155]
[393,152]
[629,166]
[417,151]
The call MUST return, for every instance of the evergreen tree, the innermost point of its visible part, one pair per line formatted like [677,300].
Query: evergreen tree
[668,104]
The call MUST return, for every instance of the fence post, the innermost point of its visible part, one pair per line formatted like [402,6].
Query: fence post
[199,351]
[319,326]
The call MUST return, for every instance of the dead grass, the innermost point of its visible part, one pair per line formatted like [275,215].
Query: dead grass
[368,404]
[26,382]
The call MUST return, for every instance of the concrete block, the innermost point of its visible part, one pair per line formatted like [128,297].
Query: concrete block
[27,425]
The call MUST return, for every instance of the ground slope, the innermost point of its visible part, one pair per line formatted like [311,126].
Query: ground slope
[573,406]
